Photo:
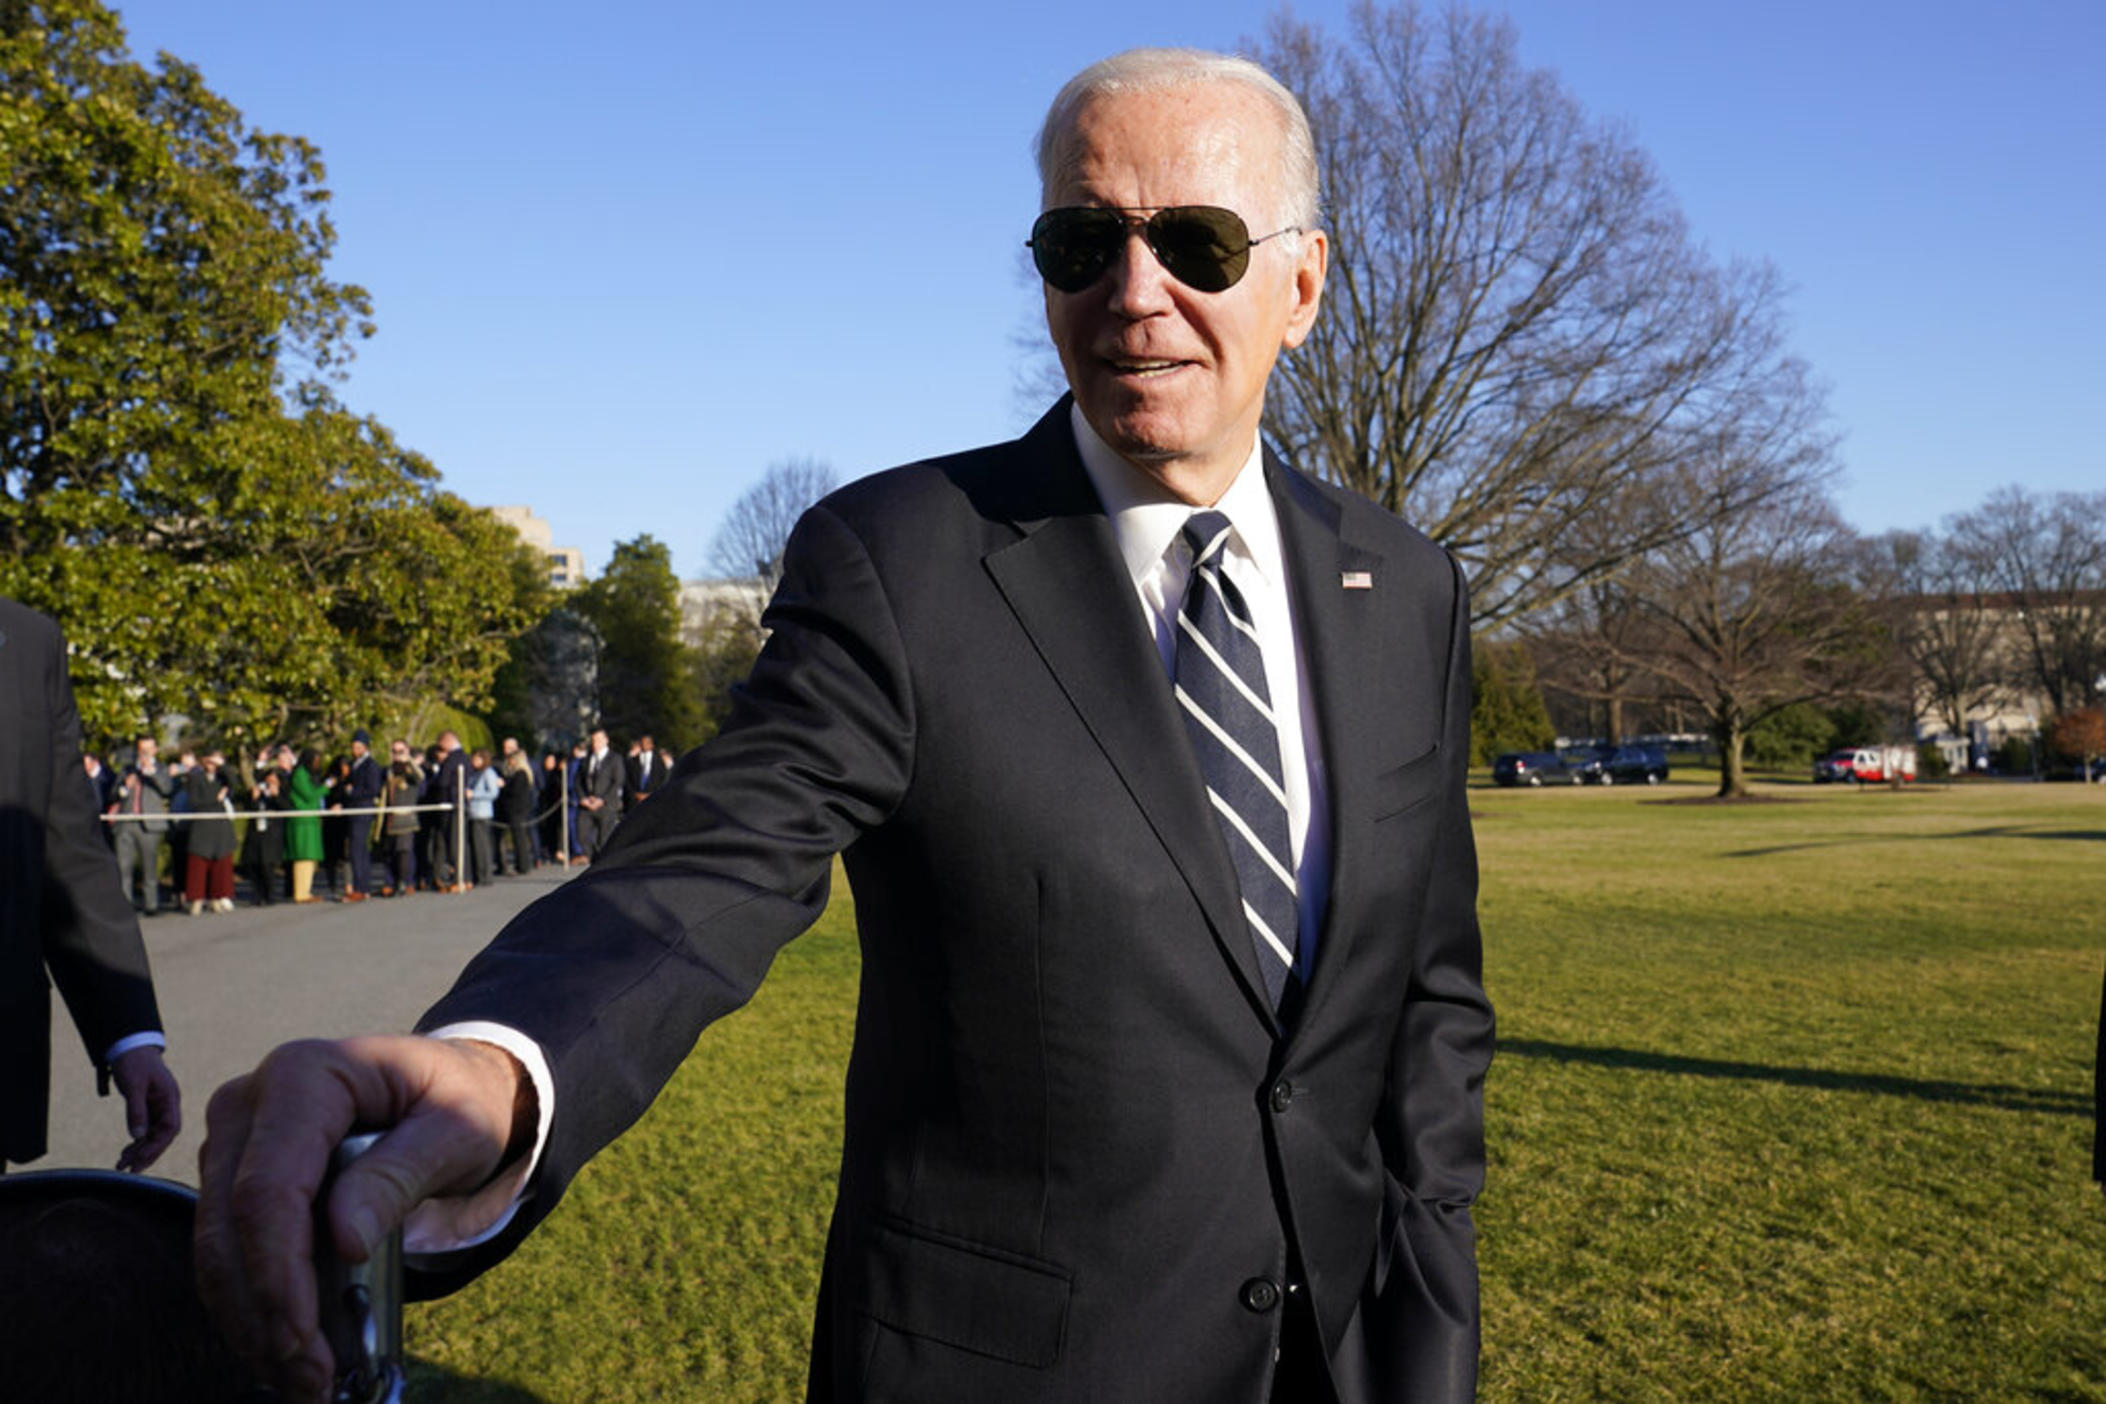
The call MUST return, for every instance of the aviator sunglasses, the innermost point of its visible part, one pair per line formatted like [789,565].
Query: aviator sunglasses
[1202,246]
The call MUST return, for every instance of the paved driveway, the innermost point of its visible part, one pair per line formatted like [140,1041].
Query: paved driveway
[235,984]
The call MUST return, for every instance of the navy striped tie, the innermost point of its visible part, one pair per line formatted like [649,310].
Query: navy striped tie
[1228,713]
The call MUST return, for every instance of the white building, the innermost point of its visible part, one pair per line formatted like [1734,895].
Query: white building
[566,564]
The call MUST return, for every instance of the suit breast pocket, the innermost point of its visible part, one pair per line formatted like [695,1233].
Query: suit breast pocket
[1406,787]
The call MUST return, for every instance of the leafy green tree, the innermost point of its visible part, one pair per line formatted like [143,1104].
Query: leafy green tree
[1506,705]
[645,674]
[1790,738]
[219,536]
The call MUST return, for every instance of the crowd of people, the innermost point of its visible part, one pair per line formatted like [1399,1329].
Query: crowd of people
[294,826]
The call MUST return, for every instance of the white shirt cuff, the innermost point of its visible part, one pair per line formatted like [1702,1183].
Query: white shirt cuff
[440,1226]
[151,1038]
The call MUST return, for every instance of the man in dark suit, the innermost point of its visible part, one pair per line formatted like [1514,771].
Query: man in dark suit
[62,917]
[103,781]
[602,777]
[646,772]
[448,785]
[1145,757]
[361,791]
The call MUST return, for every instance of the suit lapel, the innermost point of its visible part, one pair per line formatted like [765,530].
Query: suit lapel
[1342,646]
[1069,589]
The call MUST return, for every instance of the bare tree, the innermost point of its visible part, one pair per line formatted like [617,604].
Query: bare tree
[1944,621]
[1584,647]
[749,543]
[2048,559]
[1586,640]
[1518,332]
[1758,609]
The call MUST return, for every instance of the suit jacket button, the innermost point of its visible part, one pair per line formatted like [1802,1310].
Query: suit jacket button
[1282,1095]
[1261,1294]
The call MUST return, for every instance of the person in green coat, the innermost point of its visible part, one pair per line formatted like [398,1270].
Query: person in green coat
[303,832]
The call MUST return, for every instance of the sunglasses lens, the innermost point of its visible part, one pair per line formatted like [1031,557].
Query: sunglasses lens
[1203,247]
[1072,247]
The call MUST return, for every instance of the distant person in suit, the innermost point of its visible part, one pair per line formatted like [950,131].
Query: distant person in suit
[143,790]
[63,918]
[361,791]
[103,781]
[1144,755]
[647,772]
[601,779]
[448,785]
[574,779]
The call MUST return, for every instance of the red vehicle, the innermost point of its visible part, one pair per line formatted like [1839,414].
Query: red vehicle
[1867,765]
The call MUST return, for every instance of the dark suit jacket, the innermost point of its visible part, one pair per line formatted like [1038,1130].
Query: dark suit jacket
[1080,1152]
[60,907]
[607,779]
[362,786]
[646,773]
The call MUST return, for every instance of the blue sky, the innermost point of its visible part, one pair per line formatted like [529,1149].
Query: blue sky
[623,259]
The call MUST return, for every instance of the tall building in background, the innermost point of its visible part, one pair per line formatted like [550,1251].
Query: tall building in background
[566,564]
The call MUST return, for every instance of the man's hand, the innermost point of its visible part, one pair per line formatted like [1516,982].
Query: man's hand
[153,1106]
[449,1107]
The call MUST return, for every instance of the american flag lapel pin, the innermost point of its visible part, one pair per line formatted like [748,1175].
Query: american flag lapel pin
[1357,580]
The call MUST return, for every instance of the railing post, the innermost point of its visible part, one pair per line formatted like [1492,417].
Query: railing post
[460,829]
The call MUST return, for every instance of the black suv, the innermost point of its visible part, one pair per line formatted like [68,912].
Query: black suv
[1635,765]
[1531,768]
[1585,762]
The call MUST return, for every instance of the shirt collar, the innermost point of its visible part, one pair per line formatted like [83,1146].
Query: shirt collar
[1146,518]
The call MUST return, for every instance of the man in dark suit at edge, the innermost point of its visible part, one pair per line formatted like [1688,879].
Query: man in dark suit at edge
[63,918]
[1145,757]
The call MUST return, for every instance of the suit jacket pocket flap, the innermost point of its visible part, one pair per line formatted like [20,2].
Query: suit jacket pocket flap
[977,1299]
[1408,784]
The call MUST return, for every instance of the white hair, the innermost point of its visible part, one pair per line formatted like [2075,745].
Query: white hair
[1157,70]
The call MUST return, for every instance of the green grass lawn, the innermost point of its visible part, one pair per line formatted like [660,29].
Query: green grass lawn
[1792,1102]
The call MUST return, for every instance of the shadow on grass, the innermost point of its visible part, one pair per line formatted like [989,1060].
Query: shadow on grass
[2004,1096]
[2004,831]
[435,1384]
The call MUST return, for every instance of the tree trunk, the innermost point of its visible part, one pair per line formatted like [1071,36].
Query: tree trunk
[1732,771]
